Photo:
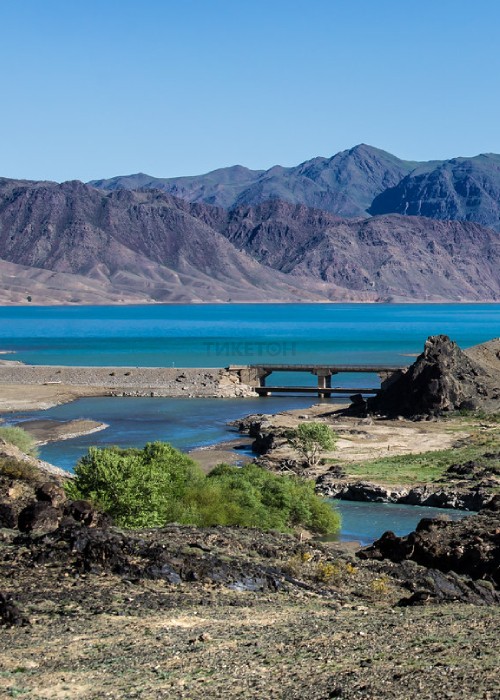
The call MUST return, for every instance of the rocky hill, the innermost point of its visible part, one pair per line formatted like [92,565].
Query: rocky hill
[74,243]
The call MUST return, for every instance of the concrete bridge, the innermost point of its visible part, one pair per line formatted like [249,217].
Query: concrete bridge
[256,377]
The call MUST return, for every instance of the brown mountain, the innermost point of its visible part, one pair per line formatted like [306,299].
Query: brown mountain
[396,257]
[74,243]
[123,246]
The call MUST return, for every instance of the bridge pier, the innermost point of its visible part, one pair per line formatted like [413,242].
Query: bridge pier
[324,381]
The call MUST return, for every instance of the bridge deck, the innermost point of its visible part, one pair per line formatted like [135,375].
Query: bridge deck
[314,368]
[266,390]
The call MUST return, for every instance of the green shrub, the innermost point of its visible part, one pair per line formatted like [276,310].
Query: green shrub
[253,497]
[159,484]
[138,488]
[20,438]
[15,469]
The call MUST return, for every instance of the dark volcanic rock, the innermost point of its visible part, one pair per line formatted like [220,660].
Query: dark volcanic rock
[461,497]
[10,614]
[51,492]
[442,379]
[468,547]
[8,515]
[95,550]
[40,516]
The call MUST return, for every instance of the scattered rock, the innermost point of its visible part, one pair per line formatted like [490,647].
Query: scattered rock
[10,615]
[468,547]
[51,492]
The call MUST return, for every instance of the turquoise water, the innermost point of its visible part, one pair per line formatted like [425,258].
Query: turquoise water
[186,423]
[366,522]
[214,335]
[189,423]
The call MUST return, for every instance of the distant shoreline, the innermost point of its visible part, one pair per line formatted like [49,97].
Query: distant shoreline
[276,302]
[32,387]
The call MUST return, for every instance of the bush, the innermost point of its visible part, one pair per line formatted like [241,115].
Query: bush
[138,488]
[159,484]
[15,469]
[19,438]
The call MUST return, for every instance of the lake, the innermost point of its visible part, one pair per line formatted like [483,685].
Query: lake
[216,335]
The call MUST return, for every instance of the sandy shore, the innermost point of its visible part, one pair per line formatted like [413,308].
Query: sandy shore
[222,453]
[31,387]
[45,431]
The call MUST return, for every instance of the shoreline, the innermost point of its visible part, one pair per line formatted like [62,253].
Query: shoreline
[32,387]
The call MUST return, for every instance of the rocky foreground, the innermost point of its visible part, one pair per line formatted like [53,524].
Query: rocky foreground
[92,611]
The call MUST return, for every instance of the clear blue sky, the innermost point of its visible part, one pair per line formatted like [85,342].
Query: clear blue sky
[95,88]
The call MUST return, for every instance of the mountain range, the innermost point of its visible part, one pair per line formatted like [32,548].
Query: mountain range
[358,182]
[360,226]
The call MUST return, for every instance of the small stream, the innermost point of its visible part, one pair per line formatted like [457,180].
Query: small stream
[189,423]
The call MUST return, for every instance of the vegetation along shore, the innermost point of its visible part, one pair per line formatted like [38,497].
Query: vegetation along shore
[156,592]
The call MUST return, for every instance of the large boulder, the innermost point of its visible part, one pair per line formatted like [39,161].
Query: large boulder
[443,378]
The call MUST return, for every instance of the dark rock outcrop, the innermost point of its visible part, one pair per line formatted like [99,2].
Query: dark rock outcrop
[39,517]
[435,496]
[468,547]
[441,379]
[10,615]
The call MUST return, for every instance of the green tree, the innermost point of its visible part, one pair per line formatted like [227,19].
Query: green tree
[138,488]
[311,441]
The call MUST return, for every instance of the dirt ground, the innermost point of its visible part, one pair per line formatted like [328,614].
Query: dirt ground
[99,635]
[364,438]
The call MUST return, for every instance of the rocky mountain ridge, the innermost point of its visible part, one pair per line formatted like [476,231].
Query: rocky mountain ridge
[344,184]
[74,243]
[356,182]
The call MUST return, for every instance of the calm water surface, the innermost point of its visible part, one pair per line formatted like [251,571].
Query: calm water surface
[214,335]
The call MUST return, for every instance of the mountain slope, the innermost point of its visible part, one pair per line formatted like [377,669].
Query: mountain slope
[464,189]
[127,244]
[77,244]
[345,184]
[394,256]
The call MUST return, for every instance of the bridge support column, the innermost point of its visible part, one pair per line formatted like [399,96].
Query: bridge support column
[324,382]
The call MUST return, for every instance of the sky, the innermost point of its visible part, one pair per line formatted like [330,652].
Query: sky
[97,88]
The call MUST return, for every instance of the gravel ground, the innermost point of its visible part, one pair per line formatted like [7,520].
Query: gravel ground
[31,387]
[97,634]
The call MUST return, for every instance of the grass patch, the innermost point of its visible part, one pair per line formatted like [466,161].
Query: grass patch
[19,438]
[427,467]
[14,469]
